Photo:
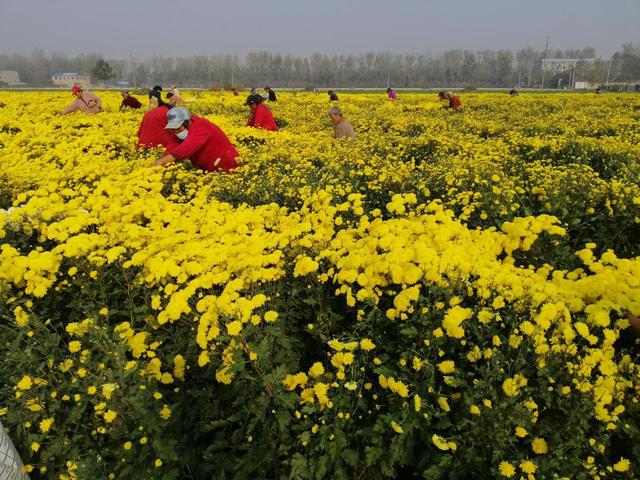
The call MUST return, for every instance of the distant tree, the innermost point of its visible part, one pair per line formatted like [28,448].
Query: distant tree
[504,68]
[102,71]
[629,60]
[482,68]
[528,66]
[469,67]
[595,72]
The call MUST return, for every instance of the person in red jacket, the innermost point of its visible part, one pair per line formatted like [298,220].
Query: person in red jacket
[454,101]
[199,140]
[261,116]
[152,132]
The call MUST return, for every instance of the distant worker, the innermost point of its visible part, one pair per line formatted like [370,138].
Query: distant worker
[514,92]
[128,101]
[175,97]
[261,116]
[442,96]
[271,95]
[155,97]
[198,140]
[332,96]
[235,92]
[151,132]
[85,102]
[392,94]
[454,101]
[342,128]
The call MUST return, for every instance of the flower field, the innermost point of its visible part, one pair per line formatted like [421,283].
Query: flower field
[447,296]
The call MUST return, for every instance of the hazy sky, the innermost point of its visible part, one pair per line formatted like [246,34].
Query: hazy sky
[146,27]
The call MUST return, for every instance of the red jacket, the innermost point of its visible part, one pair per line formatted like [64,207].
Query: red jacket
[262,118]
[206,146]
[152,132]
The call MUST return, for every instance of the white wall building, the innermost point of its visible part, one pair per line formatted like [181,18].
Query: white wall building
[68,79]
[10,77]
[558,65]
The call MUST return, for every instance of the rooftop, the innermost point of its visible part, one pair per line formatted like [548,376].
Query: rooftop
[66,74]
[561,60]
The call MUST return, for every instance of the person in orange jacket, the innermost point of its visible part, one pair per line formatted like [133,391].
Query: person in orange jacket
[261,116]
[454,101]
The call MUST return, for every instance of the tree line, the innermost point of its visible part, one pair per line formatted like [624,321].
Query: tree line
[469,68]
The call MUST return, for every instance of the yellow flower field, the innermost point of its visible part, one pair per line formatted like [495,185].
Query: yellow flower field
[447,296]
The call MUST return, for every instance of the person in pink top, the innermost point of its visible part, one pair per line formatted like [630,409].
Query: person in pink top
[392,94]
[85,102]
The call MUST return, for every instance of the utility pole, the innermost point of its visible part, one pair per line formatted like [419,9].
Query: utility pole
[544,55]
[133,69]
[608,74]
[571,76]
[388,80]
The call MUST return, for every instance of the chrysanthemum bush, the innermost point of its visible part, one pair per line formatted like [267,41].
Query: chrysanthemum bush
[446,297]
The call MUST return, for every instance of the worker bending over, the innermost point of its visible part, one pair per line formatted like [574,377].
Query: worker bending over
[199,140]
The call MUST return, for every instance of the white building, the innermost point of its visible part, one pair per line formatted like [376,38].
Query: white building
[558,65]
[10,77]
[69,79]
[573,67]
